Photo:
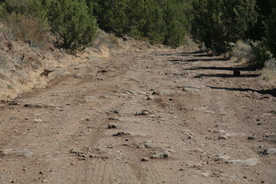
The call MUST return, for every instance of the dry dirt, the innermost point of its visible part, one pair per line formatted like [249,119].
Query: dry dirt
[167,116]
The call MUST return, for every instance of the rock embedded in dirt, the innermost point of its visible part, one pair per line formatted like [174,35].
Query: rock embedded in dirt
[222,157]
[103,71]
[120,134]
[269,151]
[114,119]
[143,113]
[15,152]
[38,105]
[155,93]
[245,162]
[163,153]
[77,76]
[145,159]
[251,137]
[112,126]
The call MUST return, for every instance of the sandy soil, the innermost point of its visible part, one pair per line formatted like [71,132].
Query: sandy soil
[168,116]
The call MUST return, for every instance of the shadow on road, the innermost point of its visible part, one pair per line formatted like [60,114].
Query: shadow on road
[222,68]
[271,92]
[226,75]
[198,60]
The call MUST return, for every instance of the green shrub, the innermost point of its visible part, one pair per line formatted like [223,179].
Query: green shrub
[36,8]
[72,24]
[261,53]
[272,32]
[220,22]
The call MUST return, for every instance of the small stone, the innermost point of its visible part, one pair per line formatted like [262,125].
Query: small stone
[165,153]
[143,113]
[222,137]
[77,76]
[16,151]
[221,157]
[103,71]
[38,120]
[145,159]
[269,151]
[81,158]
[236,72]
[40,172]
[155,93]
[119,134]
[113,119]
[246,162]
[112,126]
[251,138]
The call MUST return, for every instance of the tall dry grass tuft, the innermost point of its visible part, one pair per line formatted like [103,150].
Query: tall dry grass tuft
[269,71]
[28,29]
[242,51]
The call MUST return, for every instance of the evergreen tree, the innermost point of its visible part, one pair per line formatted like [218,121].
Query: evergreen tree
[72,24]
[219,22]
[271,31]
[258,30]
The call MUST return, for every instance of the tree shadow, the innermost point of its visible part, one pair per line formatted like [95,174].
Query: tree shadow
[223,68]
[271,92]
[227,75]
[198,60]
[193,52]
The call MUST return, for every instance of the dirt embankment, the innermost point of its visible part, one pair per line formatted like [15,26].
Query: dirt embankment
[23,67]
[159,116]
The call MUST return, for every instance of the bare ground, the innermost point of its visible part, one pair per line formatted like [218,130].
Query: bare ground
[178,116]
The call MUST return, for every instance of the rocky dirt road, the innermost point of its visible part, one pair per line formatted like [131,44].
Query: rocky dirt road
[168,116]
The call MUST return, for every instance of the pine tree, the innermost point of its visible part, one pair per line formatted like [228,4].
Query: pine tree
[72,24]
[219,22]
[271,33]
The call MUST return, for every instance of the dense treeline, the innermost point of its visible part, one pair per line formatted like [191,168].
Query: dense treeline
[165,22]
[221,23]
[74,22]
[217,23]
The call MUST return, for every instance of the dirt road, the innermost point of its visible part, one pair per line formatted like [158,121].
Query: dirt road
[169,116]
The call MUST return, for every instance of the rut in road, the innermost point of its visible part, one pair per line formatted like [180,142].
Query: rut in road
[179,117]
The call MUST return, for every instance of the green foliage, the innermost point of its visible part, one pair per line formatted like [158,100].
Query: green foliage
[260,52]
[27,7]
[72,24]
[271,31]
[257,31]
[219,22]
[160,21]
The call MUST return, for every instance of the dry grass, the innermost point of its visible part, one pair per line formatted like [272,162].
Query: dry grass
[242,52]
[108,40]
[28,29]
[269,71]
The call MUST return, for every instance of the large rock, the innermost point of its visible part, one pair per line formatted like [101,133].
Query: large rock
[245,162]
[15,152]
